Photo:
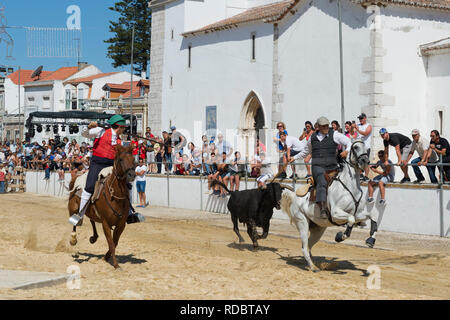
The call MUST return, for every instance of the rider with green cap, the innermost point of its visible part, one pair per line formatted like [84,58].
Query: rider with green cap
[103,156]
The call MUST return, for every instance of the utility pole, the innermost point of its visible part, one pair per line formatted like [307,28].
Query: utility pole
[341,54]
[131,85]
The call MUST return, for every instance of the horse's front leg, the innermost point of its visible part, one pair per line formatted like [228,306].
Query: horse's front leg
[111,246]
[117,233]
[94,237]
[73,239]
[338,215]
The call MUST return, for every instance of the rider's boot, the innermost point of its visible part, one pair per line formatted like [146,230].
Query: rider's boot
[324,213]
[77,219]
[133,216]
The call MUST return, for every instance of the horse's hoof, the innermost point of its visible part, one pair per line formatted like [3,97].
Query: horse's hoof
[339,237]
[73,242]
[315,269]
[93,240]
[370,242]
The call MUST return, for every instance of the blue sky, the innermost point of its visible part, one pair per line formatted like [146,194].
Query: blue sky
[95,17]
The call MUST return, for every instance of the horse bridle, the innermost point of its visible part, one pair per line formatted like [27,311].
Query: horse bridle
[353,153]
[111,191]
[121,177]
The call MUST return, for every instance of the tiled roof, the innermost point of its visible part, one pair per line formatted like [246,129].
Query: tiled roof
[431,4]
[25,76]
[122,86]
[90,78]
[277,11]
[61,74]
[436,47]
[117,87]
[145,82]
[266,13]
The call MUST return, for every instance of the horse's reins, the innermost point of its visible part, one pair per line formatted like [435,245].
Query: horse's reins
[111,191]
[357,202]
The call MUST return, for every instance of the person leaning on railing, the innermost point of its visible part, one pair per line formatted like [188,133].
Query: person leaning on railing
[442,148]
[426,155]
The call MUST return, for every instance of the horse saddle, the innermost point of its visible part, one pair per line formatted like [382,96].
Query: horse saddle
[80,183]
[330,175]
[306,188]
[310,185]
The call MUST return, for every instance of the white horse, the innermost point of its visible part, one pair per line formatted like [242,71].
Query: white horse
[345,199]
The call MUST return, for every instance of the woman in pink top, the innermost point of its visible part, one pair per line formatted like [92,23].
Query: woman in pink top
[350,132]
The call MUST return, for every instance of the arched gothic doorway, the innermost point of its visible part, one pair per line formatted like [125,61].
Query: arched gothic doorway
[252,126]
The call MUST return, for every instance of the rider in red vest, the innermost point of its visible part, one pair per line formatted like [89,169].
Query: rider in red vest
[103,156]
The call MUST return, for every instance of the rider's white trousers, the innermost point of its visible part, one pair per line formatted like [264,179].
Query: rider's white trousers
[85,197]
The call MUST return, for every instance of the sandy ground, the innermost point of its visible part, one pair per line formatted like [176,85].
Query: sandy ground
[183,254]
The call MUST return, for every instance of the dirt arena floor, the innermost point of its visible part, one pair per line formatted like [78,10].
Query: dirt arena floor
[186,255]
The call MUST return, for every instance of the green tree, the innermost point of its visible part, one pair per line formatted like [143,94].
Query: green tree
[137,13]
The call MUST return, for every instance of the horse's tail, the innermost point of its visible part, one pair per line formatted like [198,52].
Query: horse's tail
[287,198]
[217,182]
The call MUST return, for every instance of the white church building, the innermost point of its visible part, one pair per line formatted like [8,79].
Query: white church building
[247,64]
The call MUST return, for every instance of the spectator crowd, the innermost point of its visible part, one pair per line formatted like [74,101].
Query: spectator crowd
[216,159]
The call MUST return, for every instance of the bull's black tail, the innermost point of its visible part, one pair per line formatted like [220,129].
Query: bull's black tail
[221,184]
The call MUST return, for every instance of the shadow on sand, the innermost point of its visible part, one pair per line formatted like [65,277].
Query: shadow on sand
[82,257]
[249,247]
[332,264]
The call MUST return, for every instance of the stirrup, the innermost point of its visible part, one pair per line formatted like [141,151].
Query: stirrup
[76,220]
[135,218]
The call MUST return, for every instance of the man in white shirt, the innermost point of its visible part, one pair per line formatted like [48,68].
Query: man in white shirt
[266,170]
[426,155]
[323,148]
[141,169]
[223,146]
[293,147]
[364,131]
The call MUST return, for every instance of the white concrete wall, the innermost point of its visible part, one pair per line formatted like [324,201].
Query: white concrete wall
[12,97]
[221,75]
[404,29]
[438,92]
[309,63]
[86,72]
[408,210]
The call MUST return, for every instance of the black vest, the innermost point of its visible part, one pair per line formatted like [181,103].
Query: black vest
[324,152]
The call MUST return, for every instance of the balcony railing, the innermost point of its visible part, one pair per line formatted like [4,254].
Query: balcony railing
[91,104]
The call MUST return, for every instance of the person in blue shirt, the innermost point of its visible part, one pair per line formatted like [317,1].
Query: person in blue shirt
[281,149]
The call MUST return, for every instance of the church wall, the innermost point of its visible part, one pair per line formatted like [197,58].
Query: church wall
[438,93]
[221,74]
[309,63]
[404,30]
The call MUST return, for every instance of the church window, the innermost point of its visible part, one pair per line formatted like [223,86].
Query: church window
[253,46]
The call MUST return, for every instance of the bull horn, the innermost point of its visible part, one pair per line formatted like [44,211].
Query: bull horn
[287,187]
[278,174]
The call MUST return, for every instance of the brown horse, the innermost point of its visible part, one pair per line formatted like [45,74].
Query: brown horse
[113,204]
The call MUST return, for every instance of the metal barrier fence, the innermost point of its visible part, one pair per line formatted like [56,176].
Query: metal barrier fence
[248,182]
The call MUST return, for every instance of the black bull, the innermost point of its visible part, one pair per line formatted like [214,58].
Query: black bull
[253,208]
